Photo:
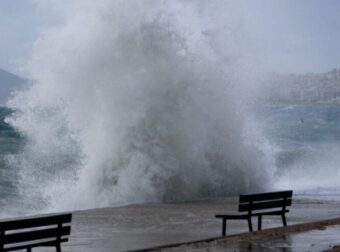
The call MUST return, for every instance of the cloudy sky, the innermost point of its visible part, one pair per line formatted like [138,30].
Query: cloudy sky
[290,35]
[19,22]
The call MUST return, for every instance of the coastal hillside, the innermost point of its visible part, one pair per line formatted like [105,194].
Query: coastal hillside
[8,83]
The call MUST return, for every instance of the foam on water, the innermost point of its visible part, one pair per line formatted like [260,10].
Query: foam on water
[307,139]
[137,101]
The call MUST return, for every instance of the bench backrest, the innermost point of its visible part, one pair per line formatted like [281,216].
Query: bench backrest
[35,231]
[264,201]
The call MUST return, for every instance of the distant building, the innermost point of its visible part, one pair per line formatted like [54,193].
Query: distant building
[306,88]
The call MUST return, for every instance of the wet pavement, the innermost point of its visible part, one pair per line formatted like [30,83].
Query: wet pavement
[149,225]
[312,241]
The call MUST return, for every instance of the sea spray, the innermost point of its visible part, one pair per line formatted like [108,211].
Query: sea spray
[136,101]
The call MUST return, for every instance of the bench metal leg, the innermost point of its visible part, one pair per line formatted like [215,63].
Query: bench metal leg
[58,248]
[29,249]
[284,220]
[250,225]
[259,222]
[224,227]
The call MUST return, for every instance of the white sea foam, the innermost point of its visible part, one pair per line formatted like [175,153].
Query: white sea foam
[137,101]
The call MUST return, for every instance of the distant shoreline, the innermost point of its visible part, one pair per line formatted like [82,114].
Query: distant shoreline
[302,104]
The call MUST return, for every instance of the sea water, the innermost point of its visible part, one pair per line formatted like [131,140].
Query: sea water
[305,139]
[10,143]
[129,107]
[151,106]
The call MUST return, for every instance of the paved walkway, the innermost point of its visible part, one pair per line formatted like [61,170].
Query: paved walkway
[149,225]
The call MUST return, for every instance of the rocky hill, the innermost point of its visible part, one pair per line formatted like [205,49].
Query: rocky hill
[8,83]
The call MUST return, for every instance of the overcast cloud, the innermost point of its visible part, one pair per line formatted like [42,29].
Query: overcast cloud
[288,35]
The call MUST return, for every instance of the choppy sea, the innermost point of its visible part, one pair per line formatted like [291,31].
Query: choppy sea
[306,146]
[10,143]
[305,141]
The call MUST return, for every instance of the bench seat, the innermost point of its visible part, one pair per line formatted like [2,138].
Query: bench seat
[243,216]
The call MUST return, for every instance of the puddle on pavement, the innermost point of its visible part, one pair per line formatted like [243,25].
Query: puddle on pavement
[315,240]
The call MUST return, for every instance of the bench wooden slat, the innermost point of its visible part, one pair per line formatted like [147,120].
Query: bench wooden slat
[264,205]
[35,222]
[279,212]
[244,216]
[35,235]
[232,216]
[38,244]
[266,196]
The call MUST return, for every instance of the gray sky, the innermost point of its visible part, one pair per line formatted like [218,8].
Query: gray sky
[289,35]
[18,26]
[295,35]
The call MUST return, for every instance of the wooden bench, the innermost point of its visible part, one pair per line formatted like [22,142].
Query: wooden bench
[32,232]
[271,203]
